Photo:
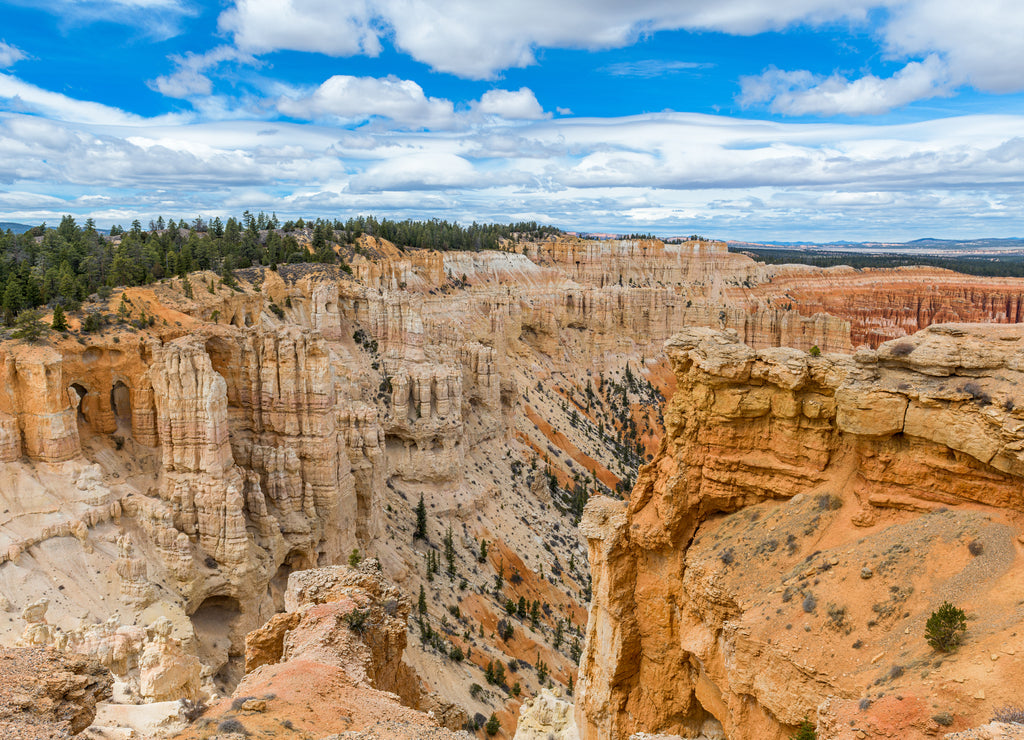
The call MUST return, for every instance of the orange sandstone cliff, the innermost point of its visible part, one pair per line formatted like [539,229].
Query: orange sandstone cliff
[803,518]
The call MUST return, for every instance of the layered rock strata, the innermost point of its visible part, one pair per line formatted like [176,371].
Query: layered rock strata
[803,518]
[333,663]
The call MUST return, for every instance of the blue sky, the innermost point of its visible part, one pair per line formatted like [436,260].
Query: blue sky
[798,119]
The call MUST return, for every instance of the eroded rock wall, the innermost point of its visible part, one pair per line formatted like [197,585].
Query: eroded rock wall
[886,304]
[786,484]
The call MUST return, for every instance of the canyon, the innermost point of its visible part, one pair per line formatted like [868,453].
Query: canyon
[167,481]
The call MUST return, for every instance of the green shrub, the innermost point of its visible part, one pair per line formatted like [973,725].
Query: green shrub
[356,620]
[946,627]
[805,731]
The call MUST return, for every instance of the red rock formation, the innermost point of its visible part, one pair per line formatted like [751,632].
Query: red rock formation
[803,518]
[887,304]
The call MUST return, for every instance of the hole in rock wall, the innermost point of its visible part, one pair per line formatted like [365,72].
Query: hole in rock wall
[295,560]
[222,360]
[217,645]
[241,319]
[121,404]
[78,391]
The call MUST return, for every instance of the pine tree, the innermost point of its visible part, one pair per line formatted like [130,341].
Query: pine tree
[493,725]
[558,634]
[422,605]
[59,322]
[354,558]
[28,326]
[542,669]
[421,521]
[482,557]
[449,551]
[14,298]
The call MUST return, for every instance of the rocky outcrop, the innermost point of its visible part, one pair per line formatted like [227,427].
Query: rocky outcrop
[546,717]
[333,660]
[849,489]
[45,694]
[167,672]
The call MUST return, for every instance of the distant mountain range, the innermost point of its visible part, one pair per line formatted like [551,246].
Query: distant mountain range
[918,246]
[16,228]
[22,228]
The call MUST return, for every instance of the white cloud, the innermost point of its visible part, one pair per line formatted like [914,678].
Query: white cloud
[358,98]
[512,104]
[650,68]
[160,19]
[189,80]
[9,55]
[402,102]
[418,171]
[325,26]
[981,42]
[798,93]
[477,40]
[22,96]
[682,172]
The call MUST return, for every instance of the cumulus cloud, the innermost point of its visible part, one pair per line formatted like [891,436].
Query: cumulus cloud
[325,26]
[403,102]
[981,42]
[513,104]
[9,55]
[189,79]
[359,98]
[798,93]
[477,40]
